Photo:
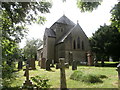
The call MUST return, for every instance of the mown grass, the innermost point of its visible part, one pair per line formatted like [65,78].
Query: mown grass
[54,76]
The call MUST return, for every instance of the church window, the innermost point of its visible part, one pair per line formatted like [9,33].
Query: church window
[74,44]
[83,45]
[78,42]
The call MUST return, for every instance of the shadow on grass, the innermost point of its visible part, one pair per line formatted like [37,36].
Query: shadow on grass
[105,65]
[11,88]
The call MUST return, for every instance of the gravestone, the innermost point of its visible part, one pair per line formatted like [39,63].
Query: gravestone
[118,69]
[32,64]
[63,84]
[74,65]
[38,62]
[70,58]
[48,65]
[66,65]
[52,65]
[43,63]
[57,65]
[90,61]
[27,81]
[20,65]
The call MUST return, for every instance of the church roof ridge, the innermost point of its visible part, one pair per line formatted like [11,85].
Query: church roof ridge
[65,20]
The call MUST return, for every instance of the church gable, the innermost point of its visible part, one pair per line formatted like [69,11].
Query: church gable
[64,37]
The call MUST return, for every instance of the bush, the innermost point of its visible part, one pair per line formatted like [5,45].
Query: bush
[102,76]
[89,78]
[77,75]
[40,82]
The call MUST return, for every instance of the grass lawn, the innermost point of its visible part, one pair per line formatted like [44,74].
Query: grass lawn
[54,76]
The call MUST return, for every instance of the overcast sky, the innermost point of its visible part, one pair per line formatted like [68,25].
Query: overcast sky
[89,21]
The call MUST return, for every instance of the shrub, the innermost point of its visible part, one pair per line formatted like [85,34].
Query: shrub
[89,78]
[102,76]
[76,75]
[40,82]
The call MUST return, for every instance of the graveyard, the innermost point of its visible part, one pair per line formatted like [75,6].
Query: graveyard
[111,80]
[60,45]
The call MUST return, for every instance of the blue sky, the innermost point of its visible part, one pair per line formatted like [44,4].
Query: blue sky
[89,21]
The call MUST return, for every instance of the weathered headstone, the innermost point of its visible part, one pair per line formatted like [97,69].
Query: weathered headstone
[43,63]
[70,58]
[118,69]
[90,61]
[38,62]
[57,65]
[52,65]
[27,81]
[66,65]
[32,64]
[63,84]
[74,65]
[20,65]
[48,65]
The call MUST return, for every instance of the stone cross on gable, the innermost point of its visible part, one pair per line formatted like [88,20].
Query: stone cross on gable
[62,73]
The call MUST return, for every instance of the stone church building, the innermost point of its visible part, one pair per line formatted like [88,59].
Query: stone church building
[65,39]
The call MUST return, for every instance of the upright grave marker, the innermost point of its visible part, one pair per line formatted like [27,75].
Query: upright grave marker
[63,84]
[20,64]
[43,63]
[74,65]
[48,65]
[27,81]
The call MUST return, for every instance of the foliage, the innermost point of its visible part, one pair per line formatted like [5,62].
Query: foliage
[7,75]
[14,17]
[89,78]
[116,16]
[40,82]
[87,6]
[30,49]
[77,75]
[106,42]
[85,77]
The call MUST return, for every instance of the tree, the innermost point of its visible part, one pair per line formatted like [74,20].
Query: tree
[105,42]
[115,20]
[14,17]
[30,49]
[87,6]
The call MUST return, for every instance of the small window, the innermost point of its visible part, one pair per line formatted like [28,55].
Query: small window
[74,44]
[83,45]
[78,42]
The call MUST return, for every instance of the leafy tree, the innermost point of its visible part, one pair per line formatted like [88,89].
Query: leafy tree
[14,17]
[30,49]
[116,16]
[105,42]
[87,6]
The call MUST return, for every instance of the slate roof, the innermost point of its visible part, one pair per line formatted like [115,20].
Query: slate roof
[67,34]
[49,32]
[65,20]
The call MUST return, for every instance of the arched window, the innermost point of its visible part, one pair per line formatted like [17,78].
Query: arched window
[74,44]
[78,42]
[83,45]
